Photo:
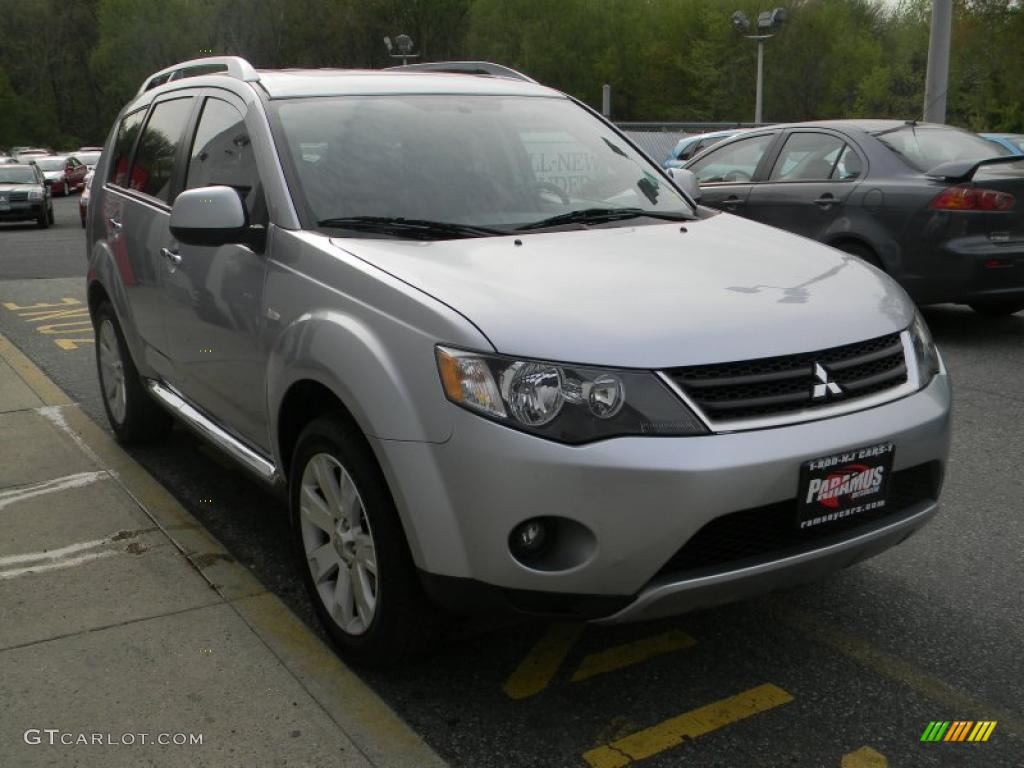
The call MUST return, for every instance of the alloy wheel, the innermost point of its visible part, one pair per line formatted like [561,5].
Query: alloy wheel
[338,543]
[112,379]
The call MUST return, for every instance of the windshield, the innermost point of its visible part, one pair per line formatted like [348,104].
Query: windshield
[486,161]
[17,176]
[925,147]
[50,163]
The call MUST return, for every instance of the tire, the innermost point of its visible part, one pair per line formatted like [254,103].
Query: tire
[49,214]
[43,221]
[66,191]
[393,619]
[83,223]
[862,252]
[997,307]
[133,415]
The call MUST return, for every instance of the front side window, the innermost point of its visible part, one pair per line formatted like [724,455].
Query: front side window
[734,162]
[154,159]
[222,154]
[482,160]
[127,132]
[807,157]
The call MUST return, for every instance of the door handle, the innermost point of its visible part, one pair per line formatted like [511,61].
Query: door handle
[825,201]
[114,224]
[172,256]
[732,201]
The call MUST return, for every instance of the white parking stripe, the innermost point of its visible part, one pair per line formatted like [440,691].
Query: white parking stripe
[14,495]
[14,573]
[53,554]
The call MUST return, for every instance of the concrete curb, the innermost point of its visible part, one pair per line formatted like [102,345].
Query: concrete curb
[376,730]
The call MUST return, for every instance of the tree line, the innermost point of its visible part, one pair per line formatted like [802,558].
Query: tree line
[68,66]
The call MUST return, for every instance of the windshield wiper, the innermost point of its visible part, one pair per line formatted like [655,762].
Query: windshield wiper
[603,215]
[422,229]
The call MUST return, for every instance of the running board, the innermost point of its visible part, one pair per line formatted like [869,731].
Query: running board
[231,445]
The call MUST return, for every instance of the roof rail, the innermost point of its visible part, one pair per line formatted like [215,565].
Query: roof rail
[467,67]
[234,66]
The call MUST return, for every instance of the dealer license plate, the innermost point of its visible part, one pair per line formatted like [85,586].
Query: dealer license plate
[844,485]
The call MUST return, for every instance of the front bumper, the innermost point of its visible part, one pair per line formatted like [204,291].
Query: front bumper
[643,498]
[22,211]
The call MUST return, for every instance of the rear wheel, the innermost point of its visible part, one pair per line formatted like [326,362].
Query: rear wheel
[356,563]
[133,414]
[862,252]
[997,307]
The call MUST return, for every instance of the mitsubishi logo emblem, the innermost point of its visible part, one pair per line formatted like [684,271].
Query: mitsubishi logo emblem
[826,387]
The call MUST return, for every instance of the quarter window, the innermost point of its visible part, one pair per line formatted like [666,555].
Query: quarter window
[808,157]
[122,155]
[154,159]
[734,162]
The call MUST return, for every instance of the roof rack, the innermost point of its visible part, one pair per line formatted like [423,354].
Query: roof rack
[234,66]
[467,67]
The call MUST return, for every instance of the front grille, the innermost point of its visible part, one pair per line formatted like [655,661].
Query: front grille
[17,197]
[779,385]
[771,532]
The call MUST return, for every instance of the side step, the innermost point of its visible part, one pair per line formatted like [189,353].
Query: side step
[231,445]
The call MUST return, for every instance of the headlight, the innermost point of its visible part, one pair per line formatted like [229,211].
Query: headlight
[35,194]
[925,352]
[568,403]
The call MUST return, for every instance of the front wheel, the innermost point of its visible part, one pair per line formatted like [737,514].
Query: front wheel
[49,214]
[998,308]
[43,221]
[356,563]
[133,415]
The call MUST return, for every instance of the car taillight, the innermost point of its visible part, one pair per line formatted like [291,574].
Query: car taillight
[967,198]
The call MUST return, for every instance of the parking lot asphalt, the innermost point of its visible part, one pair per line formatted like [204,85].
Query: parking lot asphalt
[848,672]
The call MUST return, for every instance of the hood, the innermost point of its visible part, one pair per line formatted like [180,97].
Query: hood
[651,296]
[5,188]
[53,175]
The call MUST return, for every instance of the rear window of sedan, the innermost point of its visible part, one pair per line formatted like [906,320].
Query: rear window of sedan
[926,147]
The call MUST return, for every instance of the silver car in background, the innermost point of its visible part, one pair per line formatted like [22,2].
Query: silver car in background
[498,357]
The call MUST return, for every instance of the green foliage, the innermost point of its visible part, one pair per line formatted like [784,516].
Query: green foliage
[68,66]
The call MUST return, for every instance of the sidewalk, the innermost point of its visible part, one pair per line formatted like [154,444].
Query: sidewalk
[123,623]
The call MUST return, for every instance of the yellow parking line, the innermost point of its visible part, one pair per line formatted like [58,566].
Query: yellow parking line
[690,725]
[631,653]
[865,757]
[36,380]
[536,670]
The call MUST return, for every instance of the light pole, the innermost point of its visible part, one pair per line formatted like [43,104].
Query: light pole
[936,81]
[404,45]
[768,23]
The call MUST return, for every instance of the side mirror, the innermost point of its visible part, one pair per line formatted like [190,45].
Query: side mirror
[686,181]
[210,216]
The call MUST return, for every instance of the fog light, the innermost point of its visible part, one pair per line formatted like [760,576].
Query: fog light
[528,539]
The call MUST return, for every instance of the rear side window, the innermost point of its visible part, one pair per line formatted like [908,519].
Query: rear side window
[734,162]
[122,151]
[807,157]
[154,159]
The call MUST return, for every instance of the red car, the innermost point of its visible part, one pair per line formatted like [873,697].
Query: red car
[62,173]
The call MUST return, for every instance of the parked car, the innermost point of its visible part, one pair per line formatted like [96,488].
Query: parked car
[27,154]
[494,354]
[89,159]
[83,199]
[24,195]
[934,206]
[1011,141]
[691,146]
[62,173]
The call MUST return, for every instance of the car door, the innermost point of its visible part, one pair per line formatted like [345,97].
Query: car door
[137,210]
[727,172]
[810,182]
[215,294]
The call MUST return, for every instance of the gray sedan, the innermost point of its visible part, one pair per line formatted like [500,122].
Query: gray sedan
[934,206]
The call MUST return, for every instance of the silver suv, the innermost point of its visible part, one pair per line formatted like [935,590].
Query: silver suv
[498,356]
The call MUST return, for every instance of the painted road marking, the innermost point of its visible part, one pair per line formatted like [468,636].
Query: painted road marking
[70,555]
[535,671]
[631,653]
[14,495]
[689,725]
[865,757]
[67,318]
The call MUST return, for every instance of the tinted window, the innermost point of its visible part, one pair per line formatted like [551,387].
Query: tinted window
[154,159]
[925,147]
[807,157]
[850,166]
[734,162]
[126,135]
[222,155]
